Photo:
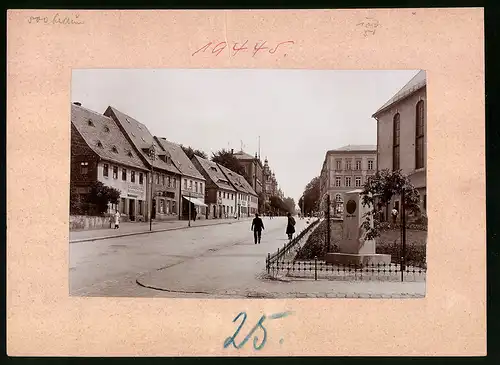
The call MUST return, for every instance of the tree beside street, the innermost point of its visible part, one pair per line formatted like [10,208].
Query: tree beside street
[289,204]
[190,152]
[311,197]
[228,160]
[96,202]
[378,192]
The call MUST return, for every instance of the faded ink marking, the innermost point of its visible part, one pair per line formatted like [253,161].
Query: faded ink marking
[280,315]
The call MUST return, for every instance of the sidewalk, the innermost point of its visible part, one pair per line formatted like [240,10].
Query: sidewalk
[130,229]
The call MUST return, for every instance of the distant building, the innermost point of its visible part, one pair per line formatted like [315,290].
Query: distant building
[166,177]
[220,195]
[345,169]
[192,186]
[100,152]
[246,202]
[254,170]
[270,183]
[402,136]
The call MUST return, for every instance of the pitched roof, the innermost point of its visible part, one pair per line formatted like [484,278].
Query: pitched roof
[142,139]
[356,147]
[104,137]
[240,155]
[416,83]
[180,159]
[248,186]
[214,173]
[237,181]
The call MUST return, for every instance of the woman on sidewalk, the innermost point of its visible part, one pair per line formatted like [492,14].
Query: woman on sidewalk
[290,227]
[117,220]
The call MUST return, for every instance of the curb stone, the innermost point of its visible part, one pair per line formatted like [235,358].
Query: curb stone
[146,232]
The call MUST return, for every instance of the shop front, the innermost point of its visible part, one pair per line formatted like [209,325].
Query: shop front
[194,206]
[165,205]
[132,203]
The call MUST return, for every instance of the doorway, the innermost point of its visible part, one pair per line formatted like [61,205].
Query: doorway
[131,209]
[153,212]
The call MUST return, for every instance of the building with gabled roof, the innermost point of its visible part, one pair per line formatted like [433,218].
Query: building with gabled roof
[246,202]
[164,204]
[402,136]
[220,195]
[254,170]
[100,152]
[192,187]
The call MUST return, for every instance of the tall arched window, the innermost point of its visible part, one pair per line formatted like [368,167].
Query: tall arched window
[395,142]
[419,135]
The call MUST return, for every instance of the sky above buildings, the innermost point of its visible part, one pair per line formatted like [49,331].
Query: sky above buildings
[298,114]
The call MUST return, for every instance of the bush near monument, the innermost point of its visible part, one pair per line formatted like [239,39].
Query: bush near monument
[388,242]
[316,242]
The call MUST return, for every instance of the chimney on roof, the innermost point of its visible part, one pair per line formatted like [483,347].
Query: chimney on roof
[77,103]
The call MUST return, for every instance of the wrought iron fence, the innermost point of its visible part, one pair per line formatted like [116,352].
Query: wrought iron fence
[291,245]
[320,269]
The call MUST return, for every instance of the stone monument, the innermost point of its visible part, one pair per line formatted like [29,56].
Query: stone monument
[354,248]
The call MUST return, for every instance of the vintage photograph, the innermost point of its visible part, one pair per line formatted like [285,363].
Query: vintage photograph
[248,183]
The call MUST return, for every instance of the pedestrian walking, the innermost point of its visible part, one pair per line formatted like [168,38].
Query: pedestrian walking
[117,220]
[290,227]
[257,228]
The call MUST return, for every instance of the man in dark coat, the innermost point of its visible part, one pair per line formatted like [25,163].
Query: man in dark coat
[290,227]
[257,228]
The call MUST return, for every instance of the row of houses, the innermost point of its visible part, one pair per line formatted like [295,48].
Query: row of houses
[401,145]
[156,179]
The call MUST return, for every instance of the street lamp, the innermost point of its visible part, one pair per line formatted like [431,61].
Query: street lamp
[152,156]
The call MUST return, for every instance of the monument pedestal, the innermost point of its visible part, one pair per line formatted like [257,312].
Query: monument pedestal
[354,248]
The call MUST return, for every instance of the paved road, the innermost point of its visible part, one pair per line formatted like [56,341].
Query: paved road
[220,255]
[212,261]
[127,228]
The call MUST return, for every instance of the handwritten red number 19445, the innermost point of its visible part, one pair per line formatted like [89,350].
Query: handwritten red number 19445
[237,47]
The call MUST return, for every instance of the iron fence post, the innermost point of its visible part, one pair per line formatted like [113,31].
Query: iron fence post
[403,234]
[315,267]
